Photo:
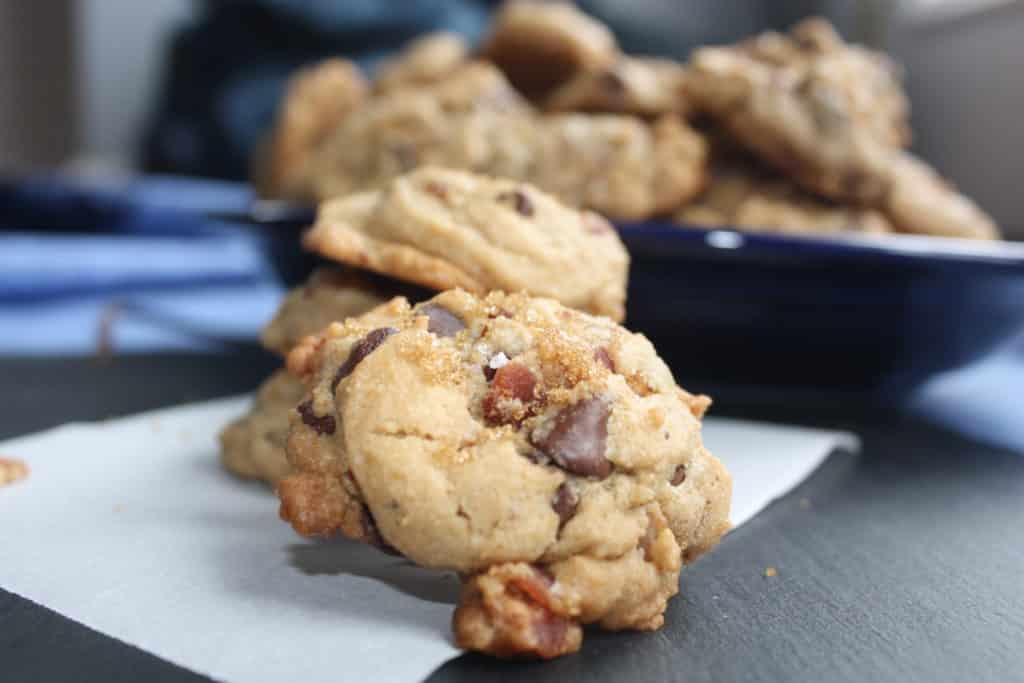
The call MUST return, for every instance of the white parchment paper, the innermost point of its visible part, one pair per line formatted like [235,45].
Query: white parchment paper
[131,527]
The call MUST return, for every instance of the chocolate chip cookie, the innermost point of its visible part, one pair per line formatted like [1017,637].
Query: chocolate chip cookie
[425,60]
[800,121]
[402,129]
[317,99]
[616,165]
[441,229]
[540,45]
[546,455]
[641,86]
[748,197]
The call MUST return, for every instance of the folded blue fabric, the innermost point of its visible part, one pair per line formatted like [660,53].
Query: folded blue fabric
[134,266]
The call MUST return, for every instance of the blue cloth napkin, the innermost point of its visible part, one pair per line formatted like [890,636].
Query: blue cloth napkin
[129,267]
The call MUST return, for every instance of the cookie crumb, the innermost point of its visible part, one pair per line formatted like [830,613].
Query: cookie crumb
[770,572]
[805,503]
[119,507]
[12,470]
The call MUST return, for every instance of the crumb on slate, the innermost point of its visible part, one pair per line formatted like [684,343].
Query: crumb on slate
[770,572]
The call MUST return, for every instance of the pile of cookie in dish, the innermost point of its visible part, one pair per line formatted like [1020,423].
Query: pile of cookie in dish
[799,132]
[508,428]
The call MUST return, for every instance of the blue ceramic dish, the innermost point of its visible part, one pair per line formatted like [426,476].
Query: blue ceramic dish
[863,313]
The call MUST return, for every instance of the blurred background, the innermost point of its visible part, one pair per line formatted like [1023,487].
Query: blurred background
[187,86]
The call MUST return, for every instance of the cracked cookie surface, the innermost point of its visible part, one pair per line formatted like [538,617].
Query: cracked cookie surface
[546,454]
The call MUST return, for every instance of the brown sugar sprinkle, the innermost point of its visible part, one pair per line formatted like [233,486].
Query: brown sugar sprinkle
[12,470]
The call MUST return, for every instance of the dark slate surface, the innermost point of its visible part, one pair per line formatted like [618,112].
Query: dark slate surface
[905,562]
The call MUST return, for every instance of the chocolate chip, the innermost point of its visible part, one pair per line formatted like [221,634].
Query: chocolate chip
[362,348]
[512,381]
[602,357]
[519,200]
[323,424]
[576,441]
[612,83]
[679,476]
[489,372]
[443,322]
[406,155]
[565,502]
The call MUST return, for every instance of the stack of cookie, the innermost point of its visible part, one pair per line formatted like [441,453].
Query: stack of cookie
[797,132]
[525,441]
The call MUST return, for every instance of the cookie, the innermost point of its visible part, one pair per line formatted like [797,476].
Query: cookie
[799,121]
[401,130]
[546,455]
[329,295]
[869,83]
[317,99]
[640,86]
[441,229]
[253,446]
[425,60]
[616,165]
[541,45]
[747,197]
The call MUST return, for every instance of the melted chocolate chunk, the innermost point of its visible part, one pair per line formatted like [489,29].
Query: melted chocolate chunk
[576,442]
[565,503]
[443,322]
[511,381]
[519,201]
[362,348]
[489,372]
[679,476]
[323,424]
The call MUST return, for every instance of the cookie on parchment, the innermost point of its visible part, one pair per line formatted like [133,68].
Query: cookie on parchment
[442,229]
[545,454]
[253,445]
